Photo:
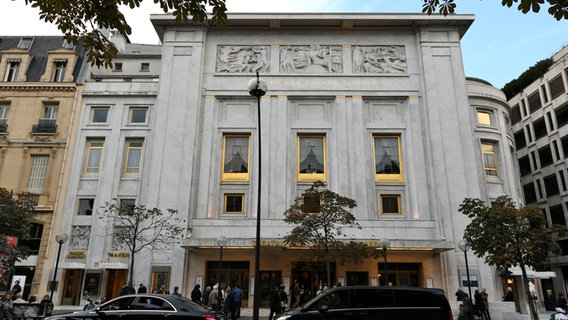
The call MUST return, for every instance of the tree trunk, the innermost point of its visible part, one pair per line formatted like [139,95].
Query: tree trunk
[532,308]
[131,270]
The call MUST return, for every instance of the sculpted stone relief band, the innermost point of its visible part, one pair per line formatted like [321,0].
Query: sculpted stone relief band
[312,59]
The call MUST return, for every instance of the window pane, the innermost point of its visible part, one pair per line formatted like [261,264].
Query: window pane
[38,171]
[100,115]
[86,207]
[311,155]
[484,118]
[138,115]
[390,204]
[134,157]
[387,159]
[236,154]
[489,160]
[234,203]
[94,157]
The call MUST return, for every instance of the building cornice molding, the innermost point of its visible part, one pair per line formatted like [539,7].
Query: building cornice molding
[36,87]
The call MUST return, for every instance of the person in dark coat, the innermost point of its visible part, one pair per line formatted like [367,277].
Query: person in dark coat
[230,306]
[562,303]
[196,294]
[467,308]
[274,302]
[283,298]
[142,288]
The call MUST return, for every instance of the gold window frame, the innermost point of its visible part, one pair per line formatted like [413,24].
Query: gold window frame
[488,149]
[388,177]
[398,204]
[92,146]
[132,145]
[235,176]
[311,177]
[485,118]
[225,203]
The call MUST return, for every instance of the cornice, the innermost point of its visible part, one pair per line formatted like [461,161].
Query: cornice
[36,87]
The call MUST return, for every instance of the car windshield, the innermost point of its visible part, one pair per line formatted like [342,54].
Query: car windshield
[187,304]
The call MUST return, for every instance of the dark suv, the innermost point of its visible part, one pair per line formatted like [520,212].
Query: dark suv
[369,302]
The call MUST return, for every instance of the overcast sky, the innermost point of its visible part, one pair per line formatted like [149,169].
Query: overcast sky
[500,45]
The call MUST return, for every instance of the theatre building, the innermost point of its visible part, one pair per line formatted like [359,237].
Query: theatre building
[377,106]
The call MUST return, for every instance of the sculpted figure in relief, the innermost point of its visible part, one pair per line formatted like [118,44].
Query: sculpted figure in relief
[379,59]
[80,237]
[236,59]
[311,59]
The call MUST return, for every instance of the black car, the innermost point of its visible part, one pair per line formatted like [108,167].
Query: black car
[376,303]
[145,306]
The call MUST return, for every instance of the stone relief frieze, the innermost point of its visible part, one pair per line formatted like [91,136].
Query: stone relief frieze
[379,59]
[80,236]
[237,59]
[311,59]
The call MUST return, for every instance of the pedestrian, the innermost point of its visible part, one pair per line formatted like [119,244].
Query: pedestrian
[196,294]
[18,310]
[45,306]
[142,288]
[509,295]
[283,298]
[485,299]
[478,304]
[274,302]
[230,305]
[296,295]
[460,294]
[467,307]
[176,291]
[32,311]
[163,290]
[126,289]
[215,298]
[238,296]
[7,306]
[205,296]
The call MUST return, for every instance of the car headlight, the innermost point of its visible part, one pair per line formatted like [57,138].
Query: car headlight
[283,317]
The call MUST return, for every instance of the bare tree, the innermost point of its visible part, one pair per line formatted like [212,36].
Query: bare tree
[136,228]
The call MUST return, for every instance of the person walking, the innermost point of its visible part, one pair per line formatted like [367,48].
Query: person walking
[238,296]
[283,298]
[45,306]
[215,298]
[32,311]
[205,296]
[176,291]
[459,294]
[196,294]
[274,302]
[142,288]
[485,299]
[467,308]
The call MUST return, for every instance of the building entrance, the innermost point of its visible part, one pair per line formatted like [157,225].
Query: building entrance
[71,290]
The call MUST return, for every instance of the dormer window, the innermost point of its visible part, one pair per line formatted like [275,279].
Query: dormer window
[59,67]
[12,71]
[25,43]
[67,45]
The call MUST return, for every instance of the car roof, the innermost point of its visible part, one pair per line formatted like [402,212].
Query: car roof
[395,288]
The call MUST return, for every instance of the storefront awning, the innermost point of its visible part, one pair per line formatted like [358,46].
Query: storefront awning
[516,271]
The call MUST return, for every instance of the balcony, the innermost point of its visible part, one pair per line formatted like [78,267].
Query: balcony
[45,126]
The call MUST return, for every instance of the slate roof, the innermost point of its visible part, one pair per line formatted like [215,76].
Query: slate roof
[39,48]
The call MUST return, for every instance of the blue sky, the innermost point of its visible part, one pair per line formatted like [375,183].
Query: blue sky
[500,45]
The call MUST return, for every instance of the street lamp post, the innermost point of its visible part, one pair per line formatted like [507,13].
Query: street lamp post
[61,239]
[257,88]
[385,244]
[221,242]
[465,246]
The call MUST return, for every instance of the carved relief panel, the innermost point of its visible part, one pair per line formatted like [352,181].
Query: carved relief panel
[243,59]
[311,59]
[379,59]
[80,236]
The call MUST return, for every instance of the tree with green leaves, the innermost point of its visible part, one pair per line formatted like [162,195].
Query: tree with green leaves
[82,20]
[557,8]
[508,235]
[318,216]
[136,227]
[15,222]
